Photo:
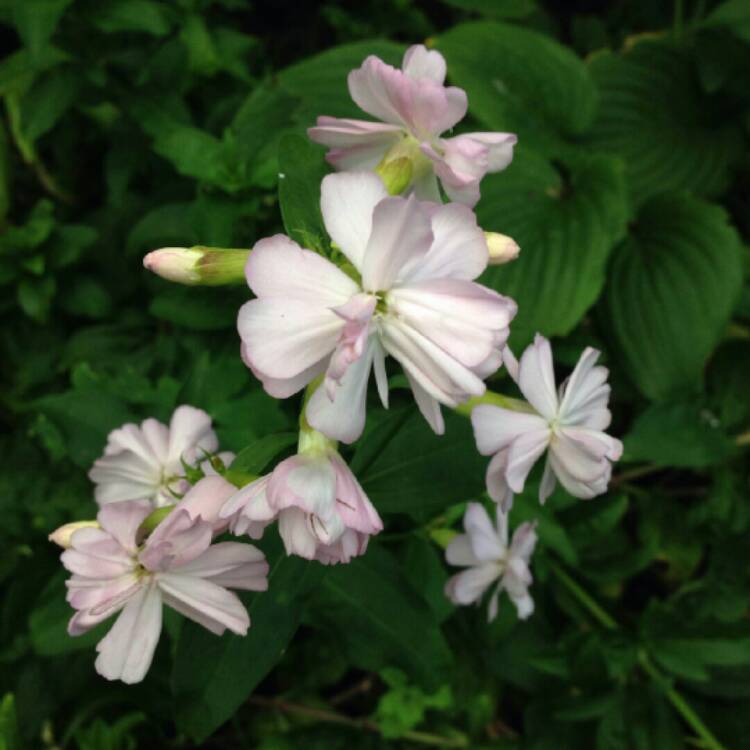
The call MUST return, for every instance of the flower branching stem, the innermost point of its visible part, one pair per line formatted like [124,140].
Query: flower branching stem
[707,738]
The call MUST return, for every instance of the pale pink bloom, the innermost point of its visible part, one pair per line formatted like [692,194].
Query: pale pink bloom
[322,511]
[570,424]
[145,462]
[113,571]
[414,108]
[485,552]
[416,301]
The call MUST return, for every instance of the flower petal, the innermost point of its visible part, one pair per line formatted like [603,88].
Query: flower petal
[483,536]
[126,652]
[419,62]
[495,428]
[536,378]
[190,434]
[522,454]
[468,586]
[347,202]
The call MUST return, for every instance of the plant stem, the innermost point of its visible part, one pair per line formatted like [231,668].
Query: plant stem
[682,707]
[495,399]
[332,717]
[708,740]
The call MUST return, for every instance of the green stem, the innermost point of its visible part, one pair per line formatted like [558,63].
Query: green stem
[332,717]
[680,704]
[708,740]
[494,399]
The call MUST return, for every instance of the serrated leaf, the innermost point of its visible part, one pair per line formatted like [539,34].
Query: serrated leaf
[671,289]
[520,81]
[654,115]
[566,226]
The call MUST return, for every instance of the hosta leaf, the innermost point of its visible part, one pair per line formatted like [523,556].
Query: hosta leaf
[566,226]
[653,113]
[671,289]
[520,81]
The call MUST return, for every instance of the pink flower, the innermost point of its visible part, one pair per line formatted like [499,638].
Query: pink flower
[114,571]
[414,108]
[484,551]
[416,301]
[145,462]
[571,424]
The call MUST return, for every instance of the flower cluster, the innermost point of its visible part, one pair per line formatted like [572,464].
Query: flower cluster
[400,282]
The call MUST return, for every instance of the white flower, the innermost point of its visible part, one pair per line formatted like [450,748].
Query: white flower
[571,424]
[144,462]
[417,301]
[484,551]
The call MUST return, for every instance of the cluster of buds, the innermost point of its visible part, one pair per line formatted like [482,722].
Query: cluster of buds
[406,288]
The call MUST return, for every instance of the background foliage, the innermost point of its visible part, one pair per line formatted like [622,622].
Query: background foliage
[134,124]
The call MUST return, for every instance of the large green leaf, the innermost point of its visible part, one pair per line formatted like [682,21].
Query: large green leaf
[653,114]
[520,81]
[405,468]
[213,676]
[671,289]
[566,221]
[382,620]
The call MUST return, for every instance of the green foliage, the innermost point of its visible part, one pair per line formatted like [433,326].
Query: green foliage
[136,124]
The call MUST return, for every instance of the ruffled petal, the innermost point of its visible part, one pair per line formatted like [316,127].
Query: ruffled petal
[536,378]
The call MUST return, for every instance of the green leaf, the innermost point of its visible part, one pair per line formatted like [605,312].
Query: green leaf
[654,115]
[257,455]
[495,8]
[677,434]
[214,675]
[35,297]
[382,619]
[302,169]
[733,15]
[320,81]
[566,220]
[405,468]
[671,289]
[202,309]
[520,81]
[47,101]
[36,21]
[133,15]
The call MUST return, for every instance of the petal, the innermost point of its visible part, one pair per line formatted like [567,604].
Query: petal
[461,317]
[460,552]
[524,541]
[96,554]
[483,537]
[380,90]
[381,377]
[586,394]
[401,233]
[190,435]
[419,62]
[125,475]
[350,544]
[347,202]
[547,485]
[522,454]
[495,428]
[458,250]
[175,541]
[500,148]
[285,387]
[460,168]
[126,652]
[356,145]
[295,532]
[122,520]
[428,406]
[536,378]
[231,565]
[352,504]
[204,602]
[284,338]
[305,482]
[497,485]
[468,586]
[343,418]
[278,267]
[206,499]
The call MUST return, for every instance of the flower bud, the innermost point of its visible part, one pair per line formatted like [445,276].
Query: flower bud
[502,249]
[207,266]
[64,534]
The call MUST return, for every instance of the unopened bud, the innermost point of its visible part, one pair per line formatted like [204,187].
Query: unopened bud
[207,266]
[502,249]
[64,534]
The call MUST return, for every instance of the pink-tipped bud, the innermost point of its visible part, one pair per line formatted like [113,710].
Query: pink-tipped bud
[64,534]
[502,249]
[208,266]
